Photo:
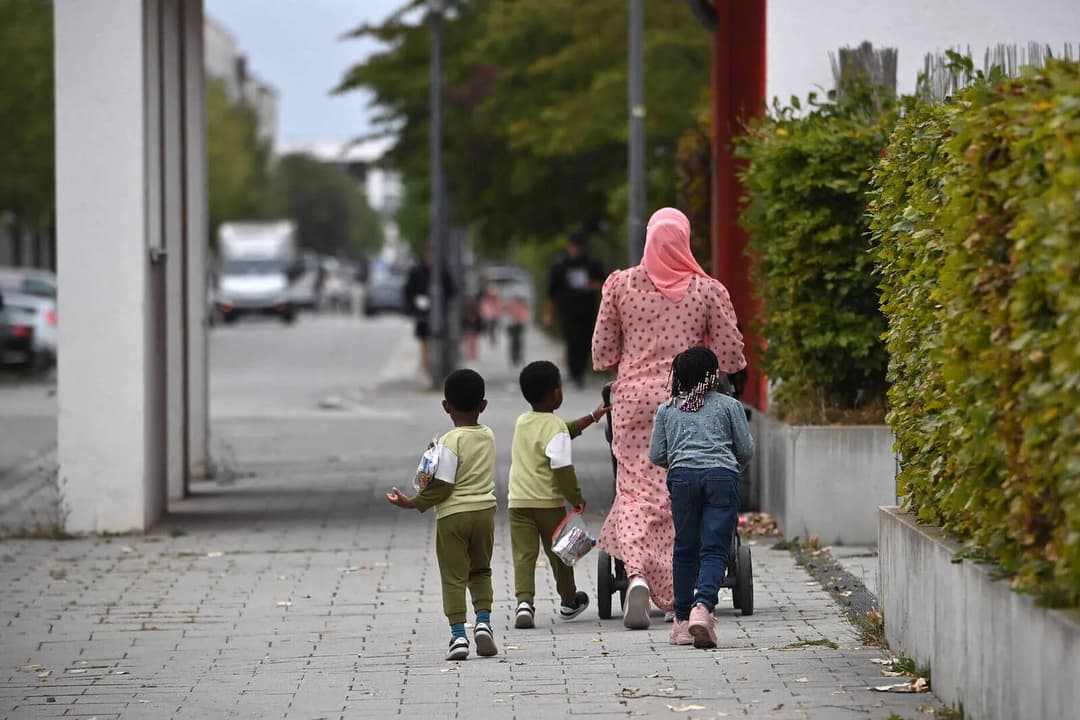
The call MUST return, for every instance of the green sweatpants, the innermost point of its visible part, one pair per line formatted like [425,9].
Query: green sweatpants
[528,528]
[463,544]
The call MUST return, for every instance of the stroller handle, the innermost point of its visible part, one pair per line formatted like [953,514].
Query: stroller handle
[605,393]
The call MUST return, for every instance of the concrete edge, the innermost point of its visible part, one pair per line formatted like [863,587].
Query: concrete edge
[992,651]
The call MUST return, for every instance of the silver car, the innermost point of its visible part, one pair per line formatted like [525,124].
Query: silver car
[38,313]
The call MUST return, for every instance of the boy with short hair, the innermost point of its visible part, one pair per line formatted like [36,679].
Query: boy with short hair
[462,491]
[542,480]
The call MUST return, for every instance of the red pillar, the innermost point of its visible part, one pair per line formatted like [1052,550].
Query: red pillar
[738,78]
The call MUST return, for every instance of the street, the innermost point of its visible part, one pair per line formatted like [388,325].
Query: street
[286,586]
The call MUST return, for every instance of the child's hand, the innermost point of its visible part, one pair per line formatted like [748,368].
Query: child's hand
[580,507]
[601,410]
[396,497]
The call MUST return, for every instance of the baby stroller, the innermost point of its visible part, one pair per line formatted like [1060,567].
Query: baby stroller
[611,573]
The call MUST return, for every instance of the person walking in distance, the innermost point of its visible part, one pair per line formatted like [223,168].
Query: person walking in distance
[573,291]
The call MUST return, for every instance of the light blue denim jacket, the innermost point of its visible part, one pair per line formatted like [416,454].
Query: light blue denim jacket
[716,436]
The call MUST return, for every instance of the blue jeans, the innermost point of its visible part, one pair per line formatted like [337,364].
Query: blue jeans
[705,508]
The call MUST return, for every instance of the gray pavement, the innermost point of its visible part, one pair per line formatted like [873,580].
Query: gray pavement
[291,589]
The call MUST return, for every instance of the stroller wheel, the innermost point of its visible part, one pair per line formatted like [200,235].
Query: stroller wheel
[605,585]
[743,592]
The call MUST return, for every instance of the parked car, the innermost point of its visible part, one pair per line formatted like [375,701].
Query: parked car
[385,288]
[28,281]
[16,340]
[39,314]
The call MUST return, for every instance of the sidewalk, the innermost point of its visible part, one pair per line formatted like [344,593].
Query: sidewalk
[296,591]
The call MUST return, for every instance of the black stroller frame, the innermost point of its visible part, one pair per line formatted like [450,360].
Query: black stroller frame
[611,575]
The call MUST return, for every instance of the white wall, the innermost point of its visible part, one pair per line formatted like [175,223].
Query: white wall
[801,33]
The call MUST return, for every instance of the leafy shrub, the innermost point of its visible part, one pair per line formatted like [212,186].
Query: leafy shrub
[806,179]
[976,219]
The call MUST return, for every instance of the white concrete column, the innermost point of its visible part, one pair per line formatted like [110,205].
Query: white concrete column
[196,242]
[118,221]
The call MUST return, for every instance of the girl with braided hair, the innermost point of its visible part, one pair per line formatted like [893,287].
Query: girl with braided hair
[701,437]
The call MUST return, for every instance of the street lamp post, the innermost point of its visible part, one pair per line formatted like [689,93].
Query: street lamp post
[636,219]
[437,322]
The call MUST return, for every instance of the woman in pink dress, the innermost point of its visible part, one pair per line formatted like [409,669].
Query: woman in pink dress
[648,315]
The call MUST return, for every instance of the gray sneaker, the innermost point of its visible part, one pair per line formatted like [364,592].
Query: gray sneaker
[485,640]
[581,601]
[525,618]
[459,649]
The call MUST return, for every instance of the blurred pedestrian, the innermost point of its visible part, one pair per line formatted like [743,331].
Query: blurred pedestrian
[472,324]
[573,291]
[418,304]
[518,314]
[491,308]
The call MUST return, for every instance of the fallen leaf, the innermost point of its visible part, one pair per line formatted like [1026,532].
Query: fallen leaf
[45,675]
[654,675]
[926,709]
[121,672]
[801,680]
[685,708]
[76,671]
[629,692]
[846,593]
[128,549]
[32,666]
[511,647]
[596,639]
[284,603]
[892,673]
[884,661]
[214,554]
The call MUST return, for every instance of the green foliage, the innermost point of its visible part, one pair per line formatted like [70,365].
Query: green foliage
[977,228]
[328,206]
[535,112]
[27,154]
[238,162]
[806,178]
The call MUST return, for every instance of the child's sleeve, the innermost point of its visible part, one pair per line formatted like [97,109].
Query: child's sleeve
[442,485]
[740,433]
[560,455]
[658,450]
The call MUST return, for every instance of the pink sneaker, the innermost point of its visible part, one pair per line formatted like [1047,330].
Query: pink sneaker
[702,627]
[680,633]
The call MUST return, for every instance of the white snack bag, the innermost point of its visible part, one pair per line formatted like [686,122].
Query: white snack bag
[572,540]
[429,465]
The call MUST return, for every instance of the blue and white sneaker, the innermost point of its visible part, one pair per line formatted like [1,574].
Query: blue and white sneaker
[459,649]
[485,640]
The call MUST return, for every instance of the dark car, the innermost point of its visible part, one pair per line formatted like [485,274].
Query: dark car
[16,340]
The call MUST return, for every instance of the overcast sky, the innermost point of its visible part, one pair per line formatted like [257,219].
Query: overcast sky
[293,45]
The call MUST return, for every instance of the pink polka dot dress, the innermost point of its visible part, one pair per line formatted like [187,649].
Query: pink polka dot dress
[638,333]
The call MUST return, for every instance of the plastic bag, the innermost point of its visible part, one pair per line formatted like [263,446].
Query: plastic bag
[572,540]
[429,465]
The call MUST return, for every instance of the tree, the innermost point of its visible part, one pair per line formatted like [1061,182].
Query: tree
[27,154]
[535,110]
[331,213]
[238,161]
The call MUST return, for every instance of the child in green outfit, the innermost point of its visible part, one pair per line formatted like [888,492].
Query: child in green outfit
[542,480]
[462,491]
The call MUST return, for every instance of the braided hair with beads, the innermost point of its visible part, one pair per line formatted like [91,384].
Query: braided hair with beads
[694,373]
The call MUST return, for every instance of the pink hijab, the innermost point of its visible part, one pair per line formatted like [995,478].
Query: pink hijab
[668,261]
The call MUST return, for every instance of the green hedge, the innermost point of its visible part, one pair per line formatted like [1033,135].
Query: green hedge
[976,223]
[806,179]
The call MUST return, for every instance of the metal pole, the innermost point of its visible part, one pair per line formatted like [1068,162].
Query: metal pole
[636,220]
[438,311]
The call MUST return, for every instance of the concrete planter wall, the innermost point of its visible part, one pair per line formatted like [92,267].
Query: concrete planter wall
[824,480]
[990,649]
